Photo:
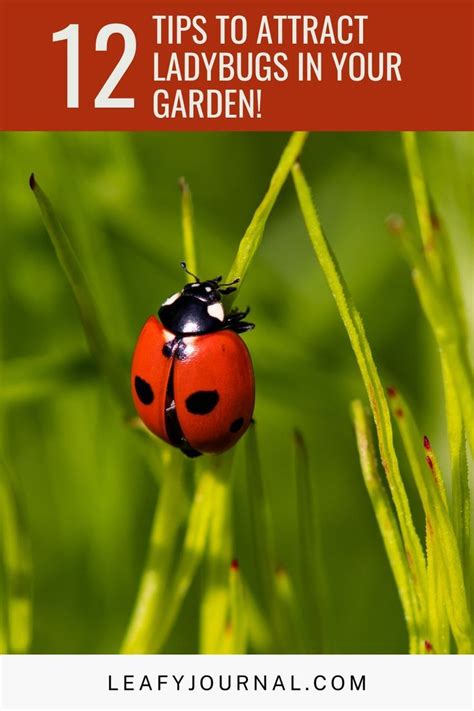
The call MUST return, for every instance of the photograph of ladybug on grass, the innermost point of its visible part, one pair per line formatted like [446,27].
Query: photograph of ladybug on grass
[192,376]
[162,490]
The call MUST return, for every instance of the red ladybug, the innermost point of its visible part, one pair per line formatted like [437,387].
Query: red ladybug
[192,376]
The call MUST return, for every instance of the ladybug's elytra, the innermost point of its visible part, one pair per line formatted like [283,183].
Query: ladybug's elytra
[192,376]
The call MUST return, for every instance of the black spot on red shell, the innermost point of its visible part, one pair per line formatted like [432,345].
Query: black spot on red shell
[144,391]
[202,402]
[237,424]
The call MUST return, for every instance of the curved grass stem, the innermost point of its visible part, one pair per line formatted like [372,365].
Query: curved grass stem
[437,281]
[195,541]
[187,226]
[95,334]
[378,402]
[311,565]
[445,566]
[388,526]
[15,548]
[254,233]
[215,600]
[150,605]
[261,529]
[238,621]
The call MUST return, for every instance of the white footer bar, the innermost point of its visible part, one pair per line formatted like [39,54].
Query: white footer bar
[236,682]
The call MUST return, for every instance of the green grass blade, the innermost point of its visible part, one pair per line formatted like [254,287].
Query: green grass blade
[260,524]
[215,598]
[150,605]
[311,572]
[17,564]
[3,611]
[288,612]
[436,243]
[438,311]
[260,635]
[457,372]
[378,402]
[238,619]
[388,527]
[422,205]
[195,540]
[187,227]
[94,332]
[451,274]
[461,495]
[254,233]
[438,636]
[429,482]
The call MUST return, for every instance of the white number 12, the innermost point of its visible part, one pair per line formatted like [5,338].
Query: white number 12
[103,100]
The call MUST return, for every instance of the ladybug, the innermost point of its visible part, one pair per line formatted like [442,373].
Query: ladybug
[192,377]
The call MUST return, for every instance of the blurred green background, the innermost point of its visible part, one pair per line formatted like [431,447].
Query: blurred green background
[89,493]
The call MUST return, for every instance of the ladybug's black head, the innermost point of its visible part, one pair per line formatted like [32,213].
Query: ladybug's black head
[197,308]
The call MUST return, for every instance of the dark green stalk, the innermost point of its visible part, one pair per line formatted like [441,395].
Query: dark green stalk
[96,338]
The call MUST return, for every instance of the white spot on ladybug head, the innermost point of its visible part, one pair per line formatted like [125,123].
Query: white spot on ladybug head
[195,285]
[208,288]
[171,299]
[216,311]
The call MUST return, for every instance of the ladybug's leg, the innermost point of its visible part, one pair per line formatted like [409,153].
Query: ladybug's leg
[234,321]
[170,347]
[190,452]
[175,347]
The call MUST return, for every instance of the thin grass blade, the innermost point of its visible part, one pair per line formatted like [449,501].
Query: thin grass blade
[260,635]
[260,523]
[438,636]
[150,605]
[17,564]
[429,482]
[215,597]
[378,402]
[458,386]
[422,205]
[438,311]
[238,617]
[91,322]
[195,541]
[388,527]
[311,567]
[461,495]
[288,612]
[187,226]
[254,233]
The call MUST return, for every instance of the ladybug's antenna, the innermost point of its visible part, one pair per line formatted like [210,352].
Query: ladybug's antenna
[229,288]
[231,283]
[183,266]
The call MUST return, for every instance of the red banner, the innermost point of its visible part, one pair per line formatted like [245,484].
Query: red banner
[368,65]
